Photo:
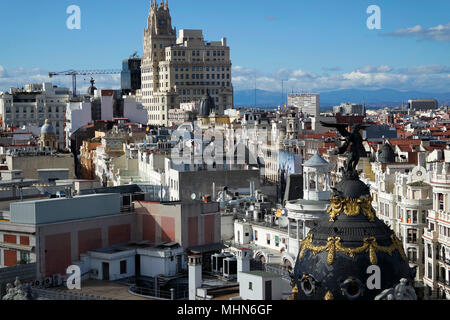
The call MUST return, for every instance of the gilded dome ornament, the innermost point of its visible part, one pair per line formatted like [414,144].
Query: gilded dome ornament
[328,296]
[351,207]
[342,247]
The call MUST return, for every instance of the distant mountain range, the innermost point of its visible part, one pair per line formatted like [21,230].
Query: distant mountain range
[372,98]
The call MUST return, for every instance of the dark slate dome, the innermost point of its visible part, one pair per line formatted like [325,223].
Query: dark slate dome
[47,128]
[386,154]
[207,105]
[352,187]
[334,257]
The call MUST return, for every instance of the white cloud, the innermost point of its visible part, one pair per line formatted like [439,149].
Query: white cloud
[378,69]
[430,78]
[438,33]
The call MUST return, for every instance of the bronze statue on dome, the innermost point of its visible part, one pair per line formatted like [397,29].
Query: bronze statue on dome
[353,141]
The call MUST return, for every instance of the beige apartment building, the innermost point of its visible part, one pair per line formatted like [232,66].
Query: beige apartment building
[181,69]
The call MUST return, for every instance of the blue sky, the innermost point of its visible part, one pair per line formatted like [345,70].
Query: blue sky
[316,45]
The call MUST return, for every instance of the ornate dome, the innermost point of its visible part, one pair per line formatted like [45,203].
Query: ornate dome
[47,128]
[207,105]
[338,256]
[386,154]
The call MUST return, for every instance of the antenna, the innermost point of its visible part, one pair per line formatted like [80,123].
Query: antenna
[255,90]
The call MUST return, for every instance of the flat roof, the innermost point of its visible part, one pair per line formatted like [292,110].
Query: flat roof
[64,199]
[263,274]
[135,245]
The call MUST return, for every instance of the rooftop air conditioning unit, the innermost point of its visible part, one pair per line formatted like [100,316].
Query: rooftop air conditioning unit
[37,283]
[48,282]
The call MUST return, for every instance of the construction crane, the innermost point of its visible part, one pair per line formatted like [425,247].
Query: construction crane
[75,73]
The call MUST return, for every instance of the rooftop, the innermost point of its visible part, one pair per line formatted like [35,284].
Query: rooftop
[262,274]
[316,161]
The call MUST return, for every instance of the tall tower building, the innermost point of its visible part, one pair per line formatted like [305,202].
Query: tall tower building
[181,70]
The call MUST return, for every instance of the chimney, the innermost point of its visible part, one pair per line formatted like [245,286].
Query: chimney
[243,261]
[195,275]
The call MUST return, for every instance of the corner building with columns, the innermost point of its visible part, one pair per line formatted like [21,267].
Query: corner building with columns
[181,69]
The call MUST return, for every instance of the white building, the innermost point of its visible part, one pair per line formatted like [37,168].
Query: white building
[119,262]
[349,109]
[307,103]
[401,197]
[259,285]
[437,234]
[101,107]
[179,70]
[303,213]
[33,105]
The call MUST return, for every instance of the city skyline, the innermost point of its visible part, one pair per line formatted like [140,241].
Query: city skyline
[408,53]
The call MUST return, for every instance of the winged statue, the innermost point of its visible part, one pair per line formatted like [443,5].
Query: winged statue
[353,142]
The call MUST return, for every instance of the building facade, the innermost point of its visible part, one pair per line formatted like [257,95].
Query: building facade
[179,70]
[32,105]
[130,77]
[308,103]
[436,235]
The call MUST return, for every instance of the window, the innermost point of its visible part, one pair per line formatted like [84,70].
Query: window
[268,239]
[424,216]
[256,235]
[412,236]
[123,266]
[25,257]
[250,286]
[441,201]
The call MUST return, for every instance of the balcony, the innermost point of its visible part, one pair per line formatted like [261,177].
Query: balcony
[445,216]
[432,214]
[444,239]
[445,260]
[430,234]
[440,179]
[444,282]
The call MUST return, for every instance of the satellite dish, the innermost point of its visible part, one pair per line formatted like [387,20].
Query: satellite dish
[283,222]
[193,196]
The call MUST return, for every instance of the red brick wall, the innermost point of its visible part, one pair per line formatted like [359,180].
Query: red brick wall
[119,234]
[57,253]
[10,258]
[148,228]
[167,229]
[193,231]
[9,238]
[209,225]
[89,240]
[24,240]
